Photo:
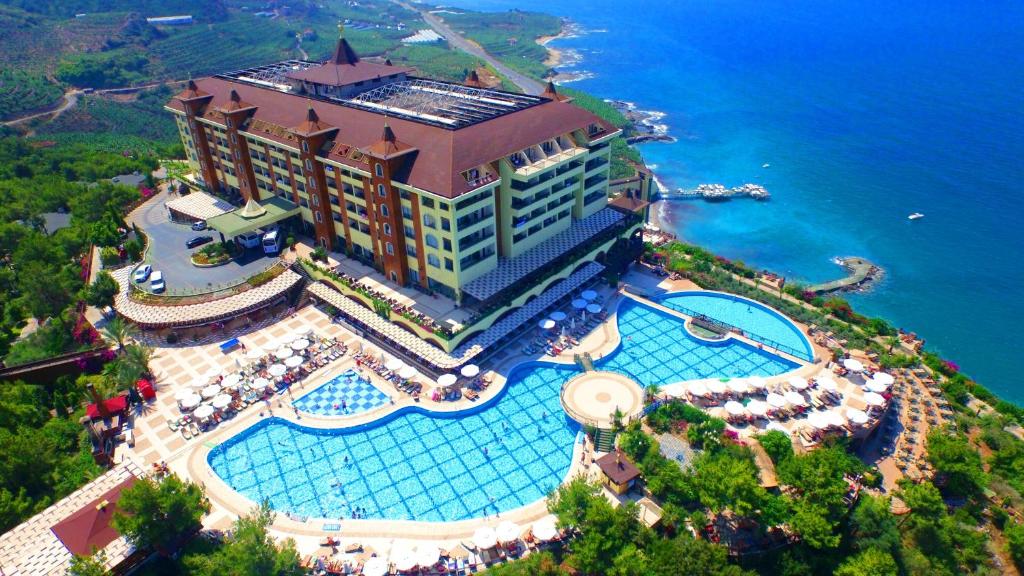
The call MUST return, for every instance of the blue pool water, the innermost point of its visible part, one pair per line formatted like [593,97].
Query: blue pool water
[752,317]
[343,395]
[657,349]
[413,465]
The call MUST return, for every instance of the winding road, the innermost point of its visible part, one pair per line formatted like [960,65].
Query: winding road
[525,83]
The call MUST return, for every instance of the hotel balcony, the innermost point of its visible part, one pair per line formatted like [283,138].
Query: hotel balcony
[478,178]
[542,156]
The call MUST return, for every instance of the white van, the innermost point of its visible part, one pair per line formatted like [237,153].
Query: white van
[272,242]
[248,240]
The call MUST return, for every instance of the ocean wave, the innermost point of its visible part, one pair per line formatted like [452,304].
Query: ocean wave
[574,76]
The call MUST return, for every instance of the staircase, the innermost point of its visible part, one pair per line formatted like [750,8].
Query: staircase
[604,440]
[587,362]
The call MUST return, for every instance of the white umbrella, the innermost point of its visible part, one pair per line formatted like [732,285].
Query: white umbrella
[470,370]
[407,373]
[853,365]
[277,370]
[545,528]
[857,416]
[231,380]
[739,385]
[557,316]
[757,382]
[795,398]
[403,556]
[182,394]
[588,295]
[797,383]
[210,391]
[546,324]
[735,408]
[259,384]
[698,389]
[776,400]
[221,401]
[203,412]
[283,352]
[447,379]
[190,402]
[300,344]
[835,418]
[272,345]
[675,390]
[199,383]
[254,353]
[716,387]
[883,378]
[375,566]
[818,420]
[508,531]
[289,338]
[394,364]
[874,399]
[777,426]
[294,361]
[302,332]
[593,308]
[875,386]
[485,537]
[826,383]
[757,407]
[427,555]
[579,304]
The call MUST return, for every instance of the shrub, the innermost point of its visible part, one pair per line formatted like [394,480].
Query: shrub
[110,256]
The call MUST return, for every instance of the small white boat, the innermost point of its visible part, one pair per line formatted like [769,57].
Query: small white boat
[765,165]
[915,216]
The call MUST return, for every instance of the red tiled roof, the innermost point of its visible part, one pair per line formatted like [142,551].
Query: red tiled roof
[346,68]
[90,528]
[630,203]
[389,145]
[443,154]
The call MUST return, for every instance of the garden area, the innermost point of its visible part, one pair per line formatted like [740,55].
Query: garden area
[214,254]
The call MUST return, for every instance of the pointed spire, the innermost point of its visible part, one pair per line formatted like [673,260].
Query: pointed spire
[389,134]
[191,91]
[192,85]
[311,116]
[551,93]
[473,80]
[235,97]
[343,52]
[387,62]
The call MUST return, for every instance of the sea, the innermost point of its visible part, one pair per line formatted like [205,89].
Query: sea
[853,114]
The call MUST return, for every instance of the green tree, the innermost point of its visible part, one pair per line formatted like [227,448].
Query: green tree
[924,500]
[101,292]
[572,501]
[955,458]
[1014,534]
[777,445]
[88,565]
[724,482]
[536,564]
[686,555]
[250,550]
[156,514]
[872,525]
[119,331]
[869,562]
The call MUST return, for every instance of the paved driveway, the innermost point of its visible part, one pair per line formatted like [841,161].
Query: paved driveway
[168,253]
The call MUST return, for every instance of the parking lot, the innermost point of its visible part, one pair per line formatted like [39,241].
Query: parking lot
[168,254]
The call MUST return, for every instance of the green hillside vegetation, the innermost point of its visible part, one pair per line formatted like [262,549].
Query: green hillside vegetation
[202,10]
[23,92]
[510,36]
[142,117]
[435,61]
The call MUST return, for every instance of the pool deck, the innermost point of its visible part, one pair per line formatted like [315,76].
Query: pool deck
[176,367]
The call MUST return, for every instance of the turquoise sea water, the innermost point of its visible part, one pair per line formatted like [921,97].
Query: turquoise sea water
[488,459]
[866,111]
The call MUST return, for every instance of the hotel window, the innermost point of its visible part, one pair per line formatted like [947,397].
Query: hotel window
[446,224]
[319,218]
[448,264]
[431,240]
[428,221]
[447,244]
[312,183]
[309,165]
[428,202]
[406,212]
[443,206]
[316,201]
[378,169]
[230,124]
[387,229]
[410,250]
[383,210]
[433,261]
[305,147]
[390,248]
[409,232]
[381,191]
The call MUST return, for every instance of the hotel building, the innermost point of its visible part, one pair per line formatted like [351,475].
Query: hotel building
[430,182]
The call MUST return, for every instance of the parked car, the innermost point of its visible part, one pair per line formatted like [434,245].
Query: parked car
[156,282]
[142,273]
[200,225]
[198,241]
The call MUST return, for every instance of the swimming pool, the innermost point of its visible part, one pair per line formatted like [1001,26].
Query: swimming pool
[657,348]
[343,395]
[413,465]
[750,316]
[428,466]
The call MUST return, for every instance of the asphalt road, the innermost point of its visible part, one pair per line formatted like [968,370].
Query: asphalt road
[525,83]
[168,253]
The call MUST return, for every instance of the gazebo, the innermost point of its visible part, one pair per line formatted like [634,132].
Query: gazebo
[620,474]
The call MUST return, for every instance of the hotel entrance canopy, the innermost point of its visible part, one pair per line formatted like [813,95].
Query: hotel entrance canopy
[253,216]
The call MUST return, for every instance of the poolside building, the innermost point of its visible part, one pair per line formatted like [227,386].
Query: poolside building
[434,184]
[619,474]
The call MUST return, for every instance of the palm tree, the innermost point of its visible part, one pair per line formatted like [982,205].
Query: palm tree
[652,392]
[892,341]
[119,331]
[124,371]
